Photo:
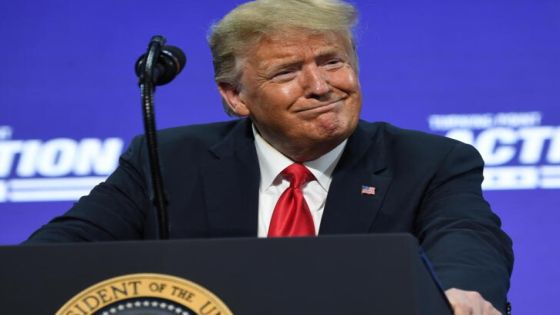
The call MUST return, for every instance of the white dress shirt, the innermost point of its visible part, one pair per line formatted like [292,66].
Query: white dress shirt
[272,185]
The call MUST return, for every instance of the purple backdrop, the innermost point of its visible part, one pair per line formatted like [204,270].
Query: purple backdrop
[485,72]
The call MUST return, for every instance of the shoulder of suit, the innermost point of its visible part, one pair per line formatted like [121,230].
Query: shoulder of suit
[410,141]
[192,138]
[204,134]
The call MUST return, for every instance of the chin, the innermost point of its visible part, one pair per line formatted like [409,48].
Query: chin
[336,128]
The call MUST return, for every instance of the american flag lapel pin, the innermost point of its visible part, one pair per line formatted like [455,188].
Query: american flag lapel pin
[368,190]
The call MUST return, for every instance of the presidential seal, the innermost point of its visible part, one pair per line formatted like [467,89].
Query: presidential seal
[145,294]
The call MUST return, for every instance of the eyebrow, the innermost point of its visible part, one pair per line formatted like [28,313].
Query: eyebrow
[287,62]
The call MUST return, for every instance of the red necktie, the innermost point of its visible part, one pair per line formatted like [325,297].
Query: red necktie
[291,216]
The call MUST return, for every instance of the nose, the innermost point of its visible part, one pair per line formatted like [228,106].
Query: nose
[316,82]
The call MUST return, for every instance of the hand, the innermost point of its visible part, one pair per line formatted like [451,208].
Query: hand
[469,303]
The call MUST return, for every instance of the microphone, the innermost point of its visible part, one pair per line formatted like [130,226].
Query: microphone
[157,67]
[169,63]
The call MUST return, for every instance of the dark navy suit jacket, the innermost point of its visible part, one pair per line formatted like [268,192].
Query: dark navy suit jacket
[425,185]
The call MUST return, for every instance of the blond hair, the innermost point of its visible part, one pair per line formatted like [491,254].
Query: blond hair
[242,28]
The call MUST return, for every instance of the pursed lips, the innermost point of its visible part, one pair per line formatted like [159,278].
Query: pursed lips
[322,106]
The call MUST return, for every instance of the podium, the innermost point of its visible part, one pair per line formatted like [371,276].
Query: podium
[361,274]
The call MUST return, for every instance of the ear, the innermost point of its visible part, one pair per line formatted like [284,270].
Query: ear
[232,97]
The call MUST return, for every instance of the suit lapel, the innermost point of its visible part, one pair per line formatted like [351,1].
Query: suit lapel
[231,184]
[348,210]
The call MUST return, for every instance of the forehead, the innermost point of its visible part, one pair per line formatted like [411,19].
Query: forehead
[293,44]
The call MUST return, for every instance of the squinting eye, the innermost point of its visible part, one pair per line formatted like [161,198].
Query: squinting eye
[284,75]
[333,63]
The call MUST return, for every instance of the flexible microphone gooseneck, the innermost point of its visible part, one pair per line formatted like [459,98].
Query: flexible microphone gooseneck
[158,66]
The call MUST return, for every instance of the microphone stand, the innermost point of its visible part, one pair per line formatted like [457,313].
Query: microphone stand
[147,87]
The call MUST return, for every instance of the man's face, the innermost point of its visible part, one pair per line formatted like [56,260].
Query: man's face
[301,91]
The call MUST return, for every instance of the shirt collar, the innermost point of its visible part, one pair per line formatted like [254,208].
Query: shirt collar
[272,162]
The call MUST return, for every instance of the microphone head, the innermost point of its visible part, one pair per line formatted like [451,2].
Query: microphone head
[169,64]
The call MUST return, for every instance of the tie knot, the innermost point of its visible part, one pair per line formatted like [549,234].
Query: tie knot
[297,174]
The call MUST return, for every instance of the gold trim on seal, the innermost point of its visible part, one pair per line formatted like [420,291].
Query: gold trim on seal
[145,285]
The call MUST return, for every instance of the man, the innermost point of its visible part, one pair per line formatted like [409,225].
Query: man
[290,67]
